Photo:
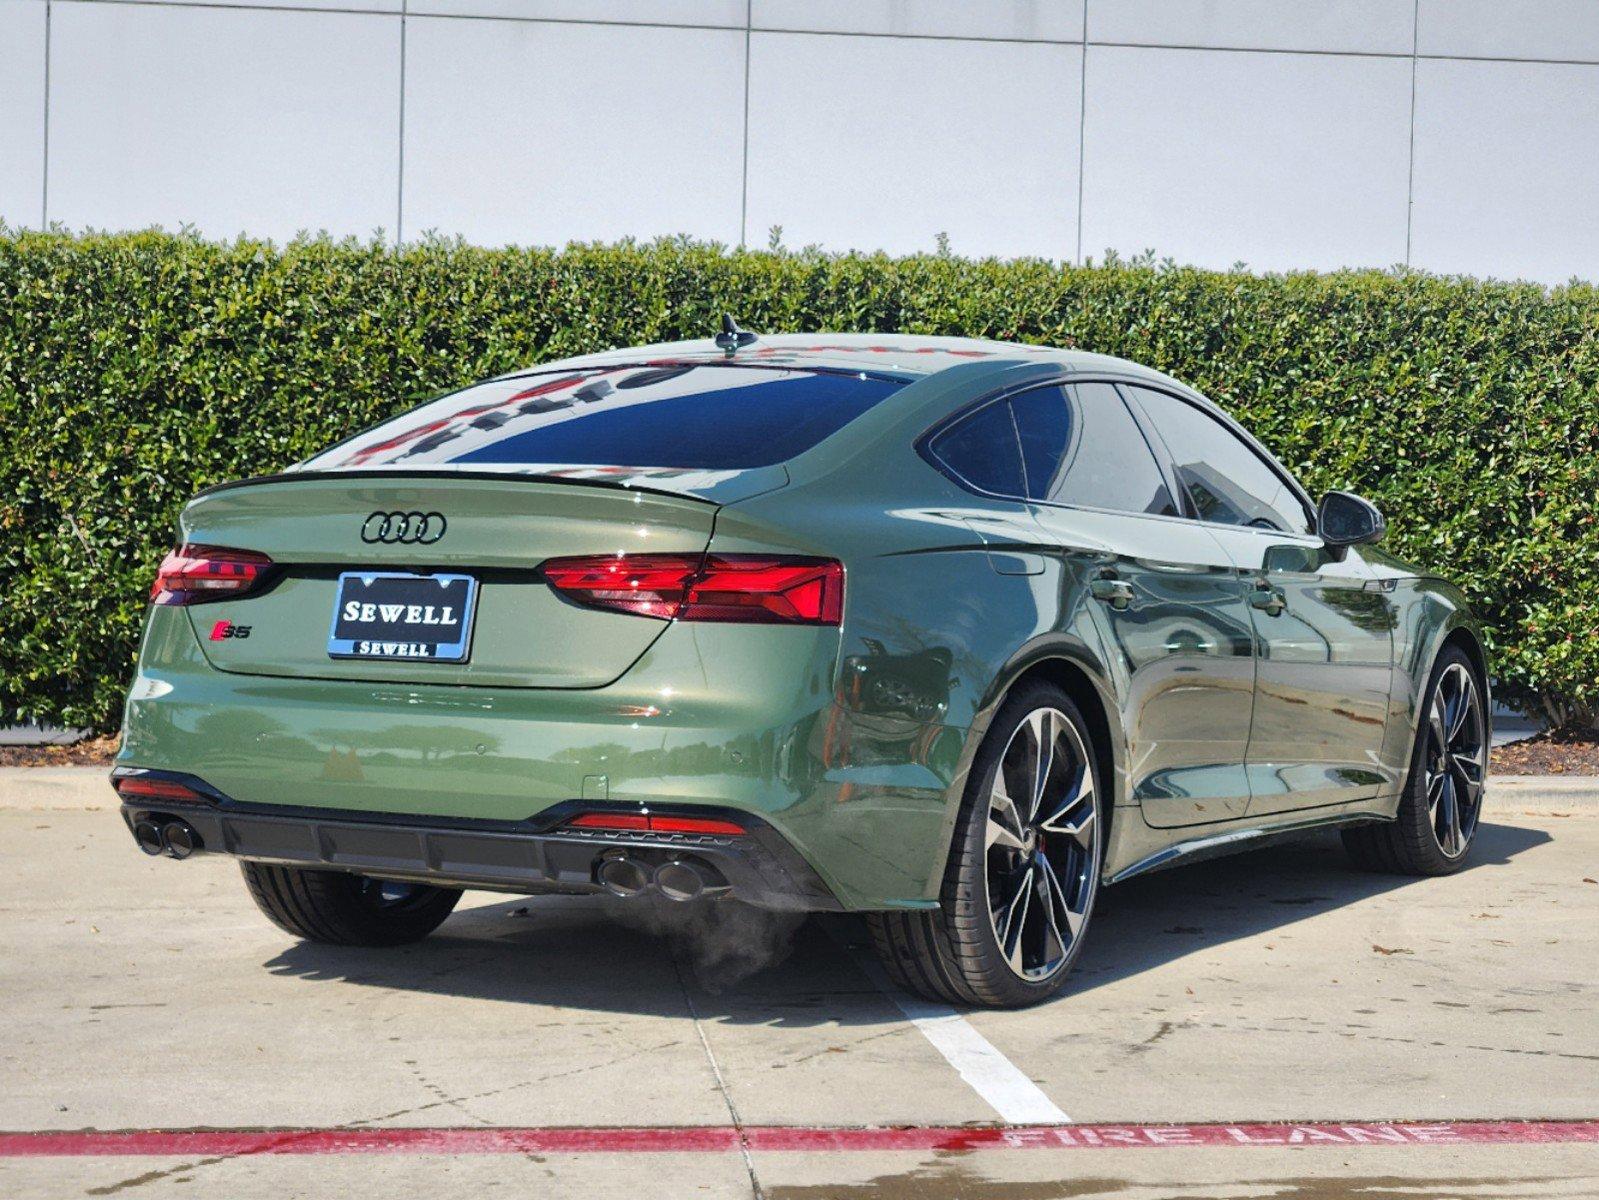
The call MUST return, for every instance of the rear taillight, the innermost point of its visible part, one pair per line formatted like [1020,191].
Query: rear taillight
[139,787]
[751,588]
[649,823]
[192,574]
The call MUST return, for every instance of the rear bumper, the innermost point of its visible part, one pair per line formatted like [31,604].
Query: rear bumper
[524,857]
[742,718]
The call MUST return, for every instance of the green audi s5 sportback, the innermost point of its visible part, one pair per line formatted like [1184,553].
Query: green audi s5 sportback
[951,633]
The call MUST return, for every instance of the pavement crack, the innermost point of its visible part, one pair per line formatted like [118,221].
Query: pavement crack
[727,1098]
[447,1100]
[458,1103]
[1359,1032]
[134,1181]
[860,1041]
[444,1101]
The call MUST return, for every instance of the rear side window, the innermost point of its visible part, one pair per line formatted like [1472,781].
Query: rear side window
[1227,479]
[981,451]
[705,417]
[1091,453]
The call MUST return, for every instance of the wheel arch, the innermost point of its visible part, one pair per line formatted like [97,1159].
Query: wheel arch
[1467,637]
[1071,667]
[1470,644]
[1453,624]
[1436,617]
[1072,679]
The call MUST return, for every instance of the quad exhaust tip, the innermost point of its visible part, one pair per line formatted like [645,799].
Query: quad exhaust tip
[679,880]
[148,835]
[179,839]
[175,839]
[676,879]
[623,876]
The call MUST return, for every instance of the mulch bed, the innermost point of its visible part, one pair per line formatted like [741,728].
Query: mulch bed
[1554,752]
[1557,752]
[90,752]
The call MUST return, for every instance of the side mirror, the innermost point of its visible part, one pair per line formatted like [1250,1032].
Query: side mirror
[1346,519]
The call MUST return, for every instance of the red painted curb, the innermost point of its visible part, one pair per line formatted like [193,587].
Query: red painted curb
[209,1143]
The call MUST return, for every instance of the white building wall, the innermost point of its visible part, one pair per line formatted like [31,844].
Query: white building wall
[1456,135]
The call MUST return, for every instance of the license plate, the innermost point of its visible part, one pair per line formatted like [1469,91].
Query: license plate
[415,618]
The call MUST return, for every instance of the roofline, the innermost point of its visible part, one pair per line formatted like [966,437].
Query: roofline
[724,361]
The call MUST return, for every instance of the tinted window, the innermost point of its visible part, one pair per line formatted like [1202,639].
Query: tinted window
[1228,481]
[1044,424]
[1091,453]
[982,451]
[695,417]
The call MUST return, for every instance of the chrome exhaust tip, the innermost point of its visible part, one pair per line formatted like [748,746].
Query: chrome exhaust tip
[148,835]
[179,839]
[622,876]
[682,880]
[678,880]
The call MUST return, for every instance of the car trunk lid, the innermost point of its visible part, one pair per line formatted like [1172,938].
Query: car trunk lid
[494,531]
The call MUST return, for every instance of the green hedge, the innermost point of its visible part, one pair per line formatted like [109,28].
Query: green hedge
[137,369]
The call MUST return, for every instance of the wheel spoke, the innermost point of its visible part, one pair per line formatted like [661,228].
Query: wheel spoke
[1435,787]
[998,835]
[1074,816]
[1436,725]
[1073,919]
[1467,772]
[1468,794]
[1012,781]
[1010,937]
[1052,944]
[1460,708]
[1448,823]
[1042,724]
[1004,822]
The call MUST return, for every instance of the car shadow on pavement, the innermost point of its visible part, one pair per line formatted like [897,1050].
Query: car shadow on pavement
[737,965]
[1169,914]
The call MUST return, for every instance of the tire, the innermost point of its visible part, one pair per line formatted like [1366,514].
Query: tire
[347,910]
[1426,839]
[1018,948]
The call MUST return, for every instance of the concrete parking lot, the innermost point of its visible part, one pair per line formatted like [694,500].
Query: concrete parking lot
[1281,1010]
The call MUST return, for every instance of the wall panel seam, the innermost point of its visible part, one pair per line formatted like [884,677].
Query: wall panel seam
[744,172]
[399,188]
[1410,161]
[1082,129]
[44,153]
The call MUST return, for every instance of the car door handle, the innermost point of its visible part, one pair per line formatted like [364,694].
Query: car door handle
[1268,599]
[1117,593]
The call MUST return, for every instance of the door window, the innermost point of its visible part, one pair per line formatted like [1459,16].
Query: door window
[1089,454]
[1227,479]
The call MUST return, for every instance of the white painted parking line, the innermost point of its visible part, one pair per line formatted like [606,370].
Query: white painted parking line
[1000,1082]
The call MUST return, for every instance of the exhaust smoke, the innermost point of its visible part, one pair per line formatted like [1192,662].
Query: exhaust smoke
[723,942]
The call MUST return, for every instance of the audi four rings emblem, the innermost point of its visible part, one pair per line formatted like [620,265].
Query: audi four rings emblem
[404,528]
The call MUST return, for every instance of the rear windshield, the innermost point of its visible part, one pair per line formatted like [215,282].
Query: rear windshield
[708,417]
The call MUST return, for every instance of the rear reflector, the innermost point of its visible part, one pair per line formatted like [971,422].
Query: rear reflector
[139,788]
[193,574]
[652,824]
[745,588]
